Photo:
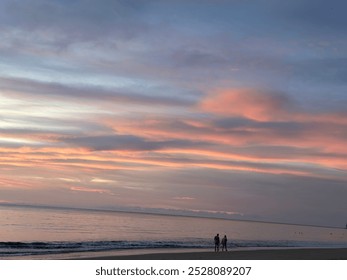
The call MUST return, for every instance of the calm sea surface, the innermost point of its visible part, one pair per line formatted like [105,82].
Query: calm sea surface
[32,231]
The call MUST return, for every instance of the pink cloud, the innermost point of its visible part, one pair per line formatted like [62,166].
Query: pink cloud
[184,198]
[91,190]
[6,182]
[249,103]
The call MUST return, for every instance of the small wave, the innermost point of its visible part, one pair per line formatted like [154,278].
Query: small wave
[35,248]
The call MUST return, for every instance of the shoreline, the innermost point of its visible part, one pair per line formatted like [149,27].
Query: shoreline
[294,253]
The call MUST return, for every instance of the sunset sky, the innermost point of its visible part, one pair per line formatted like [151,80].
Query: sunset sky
[235,108]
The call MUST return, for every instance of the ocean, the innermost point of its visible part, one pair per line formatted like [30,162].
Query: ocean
[32,231]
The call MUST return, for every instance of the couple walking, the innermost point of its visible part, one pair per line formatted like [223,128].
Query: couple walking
[217,243]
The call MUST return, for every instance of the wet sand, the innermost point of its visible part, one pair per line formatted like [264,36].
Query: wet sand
[200,254]
[246,254]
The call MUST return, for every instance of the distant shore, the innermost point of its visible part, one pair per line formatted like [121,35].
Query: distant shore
[242,254]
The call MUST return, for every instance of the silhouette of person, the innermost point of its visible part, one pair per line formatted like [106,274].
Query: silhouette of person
[216,243]
[224,243]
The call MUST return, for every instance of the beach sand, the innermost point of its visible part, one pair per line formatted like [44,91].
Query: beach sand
[245,254]
[200,254]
